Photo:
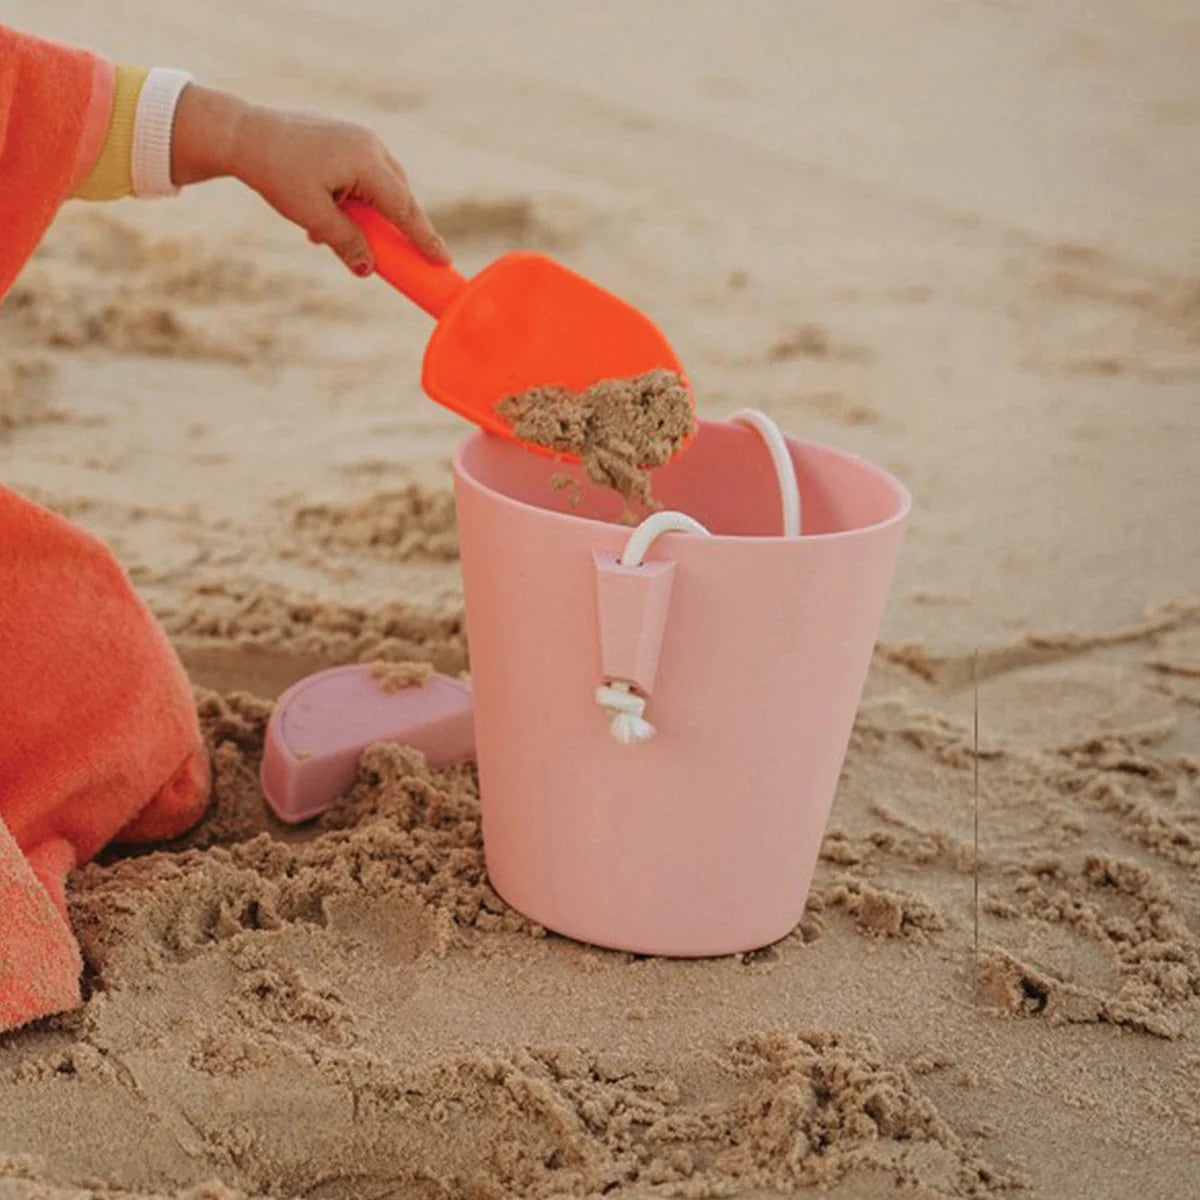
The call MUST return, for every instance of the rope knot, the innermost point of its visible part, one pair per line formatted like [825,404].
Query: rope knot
[629,725]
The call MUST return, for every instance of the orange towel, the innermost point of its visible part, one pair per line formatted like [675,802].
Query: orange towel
[45,105]
[39,960]
[100,740]
[98,733]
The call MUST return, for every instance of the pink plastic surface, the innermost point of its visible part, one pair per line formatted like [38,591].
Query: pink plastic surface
[321,725]
[703,839]
[632,613]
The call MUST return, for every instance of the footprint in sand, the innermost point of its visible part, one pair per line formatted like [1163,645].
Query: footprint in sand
[1098,941]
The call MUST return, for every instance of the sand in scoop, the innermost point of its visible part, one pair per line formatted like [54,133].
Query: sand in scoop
[621,429]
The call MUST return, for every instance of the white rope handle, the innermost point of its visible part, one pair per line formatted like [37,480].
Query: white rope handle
[618,699]
[781,459]
[642,538]
[626,707]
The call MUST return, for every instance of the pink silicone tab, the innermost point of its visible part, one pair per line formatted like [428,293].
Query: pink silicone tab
[323,723]
[633,614]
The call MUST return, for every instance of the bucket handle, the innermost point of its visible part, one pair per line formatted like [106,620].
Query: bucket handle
[641,539]
[618,698]
[781,460]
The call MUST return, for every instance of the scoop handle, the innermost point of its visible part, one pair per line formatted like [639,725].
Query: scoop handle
[399,262]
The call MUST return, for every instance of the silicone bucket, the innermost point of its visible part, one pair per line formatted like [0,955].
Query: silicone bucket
[746,650]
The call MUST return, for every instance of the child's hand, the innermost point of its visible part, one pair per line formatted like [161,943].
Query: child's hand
[302,166]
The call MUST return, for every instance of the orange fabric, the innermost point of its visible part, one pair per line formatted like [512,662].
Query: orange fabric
[39,960]
[100,740]
[98,733]
[45,97]
[95,125]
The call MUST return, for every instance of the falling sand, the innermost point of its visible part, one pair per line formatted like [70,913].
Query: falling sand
[620,428]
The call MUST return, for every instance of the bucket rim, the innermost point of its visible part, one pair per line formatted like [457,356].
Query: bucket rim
[899,517]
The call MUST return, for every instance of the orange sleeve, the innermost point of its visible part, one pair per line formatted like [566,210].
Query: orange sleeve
[96,124]
[45,100]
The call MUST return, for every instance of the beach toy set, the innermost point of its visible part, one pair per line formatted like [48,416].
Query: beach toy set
[660,714]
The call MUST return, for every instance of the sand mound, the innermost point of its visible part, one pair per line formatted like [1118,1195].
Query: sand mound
[26,387]
[414,522]
[243,930]
[102,284]
[48,310]
[512,221]
[244,614]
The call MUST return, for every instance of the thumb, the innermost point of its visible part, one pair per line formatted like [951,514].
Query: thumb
[335,230]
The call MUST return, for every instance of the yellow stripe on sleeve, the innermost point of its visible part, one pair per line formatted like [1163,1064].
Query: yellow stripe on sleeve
[111,177]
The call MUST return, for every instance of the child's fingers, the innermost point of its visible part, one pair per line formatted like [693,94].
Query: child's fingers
[332,228]
[390,193]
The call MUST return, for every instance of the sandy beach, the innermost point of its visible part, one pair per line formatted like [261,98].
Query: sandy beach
[958,240]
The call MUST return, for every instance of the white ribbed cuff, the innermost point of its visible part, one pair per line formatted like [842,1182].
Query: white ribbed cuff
[150,169]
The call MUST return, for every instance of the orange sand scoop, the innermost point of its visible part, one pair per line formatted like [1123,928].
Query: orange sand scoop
[524,321]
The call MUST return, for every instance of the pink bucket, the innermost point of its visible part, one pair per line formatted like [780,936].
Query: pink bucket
[744,653]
